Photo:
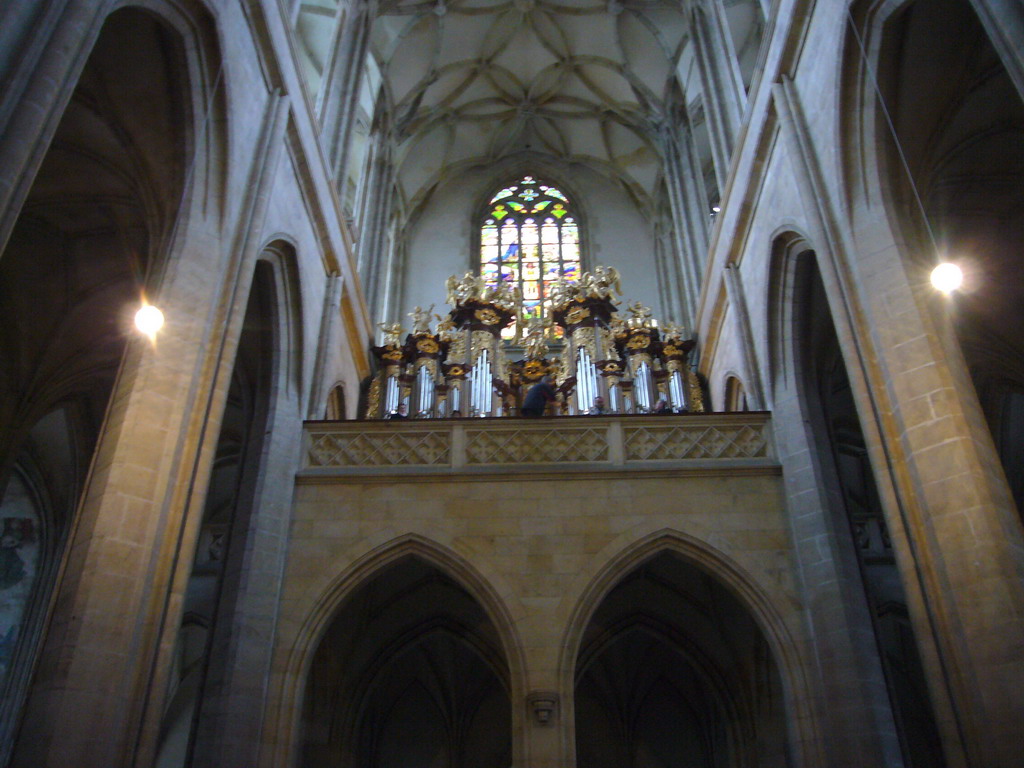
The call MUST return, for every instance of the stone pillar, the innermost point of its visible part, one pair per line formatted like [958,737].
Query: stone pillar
[738,304]
[667,261]
[721,83]
[683,182]
[325,348]
[374,220]
[342,83]
[954,526]
[115,611]
[230,713]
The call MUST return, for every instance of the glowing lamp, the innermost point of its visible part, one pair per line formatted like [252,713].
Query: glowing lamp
[947,277]
[149,320]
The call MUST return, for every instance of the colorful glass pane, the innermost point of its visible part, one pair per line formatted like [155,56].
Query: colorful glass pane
[528,252]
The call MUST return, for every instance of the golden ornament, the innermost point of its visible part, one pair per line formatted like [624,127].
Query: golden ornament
[427,345]
[487,316]
[576,314]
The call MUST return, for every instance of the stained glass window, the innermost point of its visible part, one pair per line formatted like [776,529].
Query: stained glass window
[530,236]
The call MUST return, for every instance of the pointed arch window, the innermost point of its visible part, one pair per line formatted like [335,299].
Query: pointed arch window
[529,237]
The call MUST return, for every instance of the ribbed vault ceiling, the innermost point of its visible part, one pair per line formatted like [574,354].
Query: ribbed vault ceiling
[471,82]
[474,82]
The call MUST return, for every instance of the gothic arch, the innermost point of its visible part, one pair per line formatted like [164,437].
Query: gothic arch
[279,255]
[484,585]
[596,582]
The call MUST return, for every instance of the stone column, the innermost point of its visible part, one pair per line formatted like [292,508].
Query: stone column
[738,304]
[342,83]
[374,220]
[667,260]
[955,530]
[328,341]
[683,183]
[720,80]
[115,614]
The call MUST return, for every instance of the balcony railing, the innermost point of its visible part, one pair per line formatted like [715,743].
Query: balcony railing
[717,440]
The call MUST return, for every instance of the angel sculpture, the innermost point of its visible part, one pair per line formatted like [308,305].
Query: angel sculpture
[560,292]
[535,330]
[461,291]
[640,315]
[672,331]
[505,295]
[421,319]
[445,328]
[392,333]
[605,280]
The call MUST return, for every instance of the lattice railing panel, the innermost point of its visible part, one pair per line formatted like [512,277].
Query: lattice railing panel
[531,446]
[681,442]
[380,449]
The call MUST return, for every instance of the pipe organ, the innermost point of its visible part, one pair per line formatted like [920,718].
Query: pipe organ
[594,352]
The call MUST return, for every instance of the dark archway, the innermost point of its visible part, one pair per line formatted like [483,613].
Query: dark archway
[409,672]
[227,513]
[859,520]
[674,670]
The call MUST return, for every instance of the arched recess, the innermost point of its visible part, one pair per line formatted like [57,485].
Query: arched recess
[225,579]
[410,669]
[807,359]
[735,396]
[951,182]
[90,239]
[336,403]
[676,656]
[485,590]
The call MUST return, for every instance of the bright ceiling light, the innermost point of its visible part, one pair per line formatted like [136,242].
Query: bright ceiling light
[947,277]
[149,320]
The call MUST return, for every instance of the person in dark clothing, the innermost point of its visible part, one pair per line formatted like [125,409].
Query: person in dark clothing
[400,413]
[537,398]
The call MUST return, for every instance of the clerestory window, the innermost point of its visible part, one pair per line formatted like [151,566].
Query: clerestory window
[530,237]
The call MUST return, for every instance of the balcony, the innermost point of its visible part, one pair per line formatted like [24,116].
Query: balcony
[725,442]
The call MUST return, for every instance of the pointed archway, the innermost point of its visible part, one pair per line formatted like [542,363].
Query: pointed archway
[409,671]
